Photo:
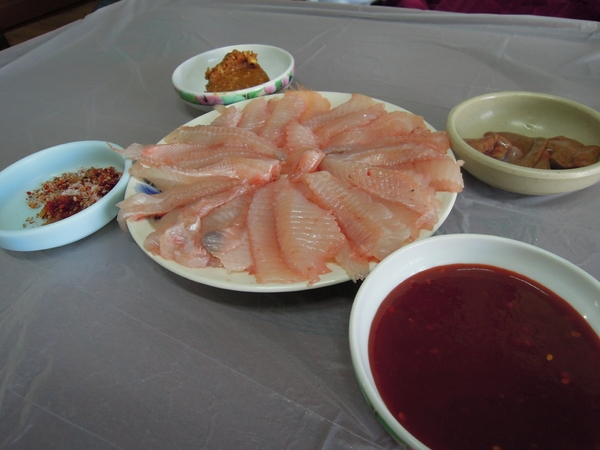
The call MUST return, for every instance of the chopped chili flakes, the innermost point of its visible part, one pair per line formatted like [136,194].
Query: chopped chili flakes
[71,192]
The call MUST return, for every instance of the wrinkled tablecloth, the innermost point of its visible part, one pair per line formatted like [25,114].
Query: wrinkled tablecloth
[102,348]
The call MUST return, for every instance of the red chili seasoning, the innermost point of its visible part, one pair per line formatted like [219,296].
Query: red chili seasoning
[71,192]
[476,357]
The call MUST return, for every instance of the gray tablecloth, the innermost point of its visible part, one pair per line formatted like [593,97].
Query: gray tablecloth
[100,347]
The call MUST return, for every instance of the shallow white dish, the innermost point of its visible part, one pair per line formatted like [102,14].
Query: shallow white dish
[565,279]
[190,84]
[30,172]
[243,281]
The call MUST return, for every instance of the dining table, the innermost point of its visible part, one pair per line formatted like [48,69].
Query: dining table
[103,348]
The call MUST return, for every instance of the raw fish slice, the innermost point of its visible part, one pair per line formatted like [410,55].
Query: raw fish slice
[392,156]
[362,220]
[254,170]
[356,102]
[414,221]
[353,262]
[391,124]
[157,154]
[180,243]
[315,103]
[143,205]
[437,141]
[230,116]
[194,155]
[211,135]
[298,140]
[288,108]
[349,121]
[308,235]
[444,172]
[407,187]
[229,214]
[307,162]
[269,266]
[152,241]
[255,115]
[224,233]
[204,157]
[231,247]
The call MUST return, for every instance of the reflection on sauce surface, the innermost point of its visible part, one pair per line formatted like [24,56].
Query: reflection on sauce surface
[477,357]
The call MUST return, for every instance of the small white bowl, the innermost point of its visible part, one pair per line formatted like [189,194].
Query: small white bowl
[530,114]
[32,171]
[190,84]
[566,280]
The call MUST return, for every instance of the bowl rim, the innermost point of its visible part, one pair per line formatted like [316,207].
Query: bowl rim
[17,239]
[362,368]
[505,167]
[290,69]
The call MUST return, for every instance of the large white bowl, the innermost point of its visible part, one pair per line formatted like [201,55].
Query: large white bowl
[190,84]
[30,172]
[531,114]
[574,285]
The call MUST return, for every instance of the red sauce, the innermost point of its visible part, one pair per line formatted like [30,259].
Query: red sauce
[477,357]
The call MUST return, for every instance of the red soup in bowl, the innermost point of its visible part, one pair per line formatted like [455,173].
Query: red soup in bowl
[472,356]
[468,341]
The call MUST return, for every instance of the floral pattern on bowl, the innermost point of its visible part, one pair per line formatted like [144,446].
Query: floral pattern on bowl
[190,84]
[211,99]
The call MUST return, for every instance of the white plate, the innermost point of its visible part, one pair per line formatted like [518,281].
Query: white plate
[243,281]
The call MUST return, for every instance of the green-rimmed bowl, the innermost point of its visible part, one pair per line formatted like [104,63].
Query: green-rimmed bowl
[190,84]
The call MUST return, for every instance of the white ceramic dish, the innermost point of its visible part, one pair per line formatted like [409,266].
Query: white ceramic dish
[530,114]
[190,84]
[220,278]
[568,281]
[30,172]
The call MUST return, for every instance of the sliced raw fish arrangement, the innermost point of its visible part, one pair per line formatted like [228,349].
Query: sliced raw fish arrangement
[288,186]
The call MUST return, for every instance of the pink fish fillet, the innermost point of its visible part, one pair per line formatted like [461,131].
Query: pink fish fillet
[225,235]
[143,205]
[299,139]
[254,170]
[363,220]
[213,135]
[437,142]
[288,108]
[403,186]
[394,123]
[308,235]
[230,116]
[315,102]
[269,266]
[353,262]
[255,115]
[356,102]
[444,172]
[352,120]
[182,241]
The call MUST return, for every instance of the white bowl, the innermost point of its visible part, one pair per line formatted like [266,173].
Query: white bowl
[566,280]
[530,114]
[190,84]
[30,172]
